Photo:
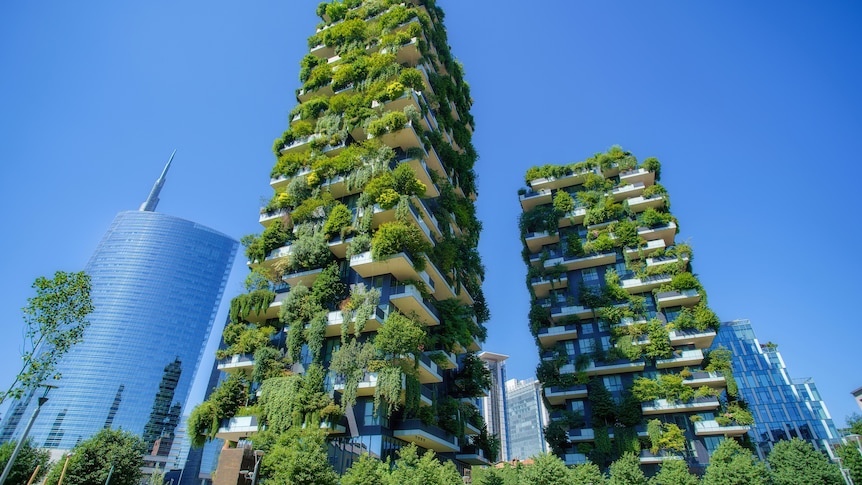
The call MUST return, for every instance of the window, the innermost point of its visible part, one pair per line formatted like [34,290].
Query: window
[586,346]
[606,343]
[586,329]
[578,407]
[590,275]
[604,326]
[613,383]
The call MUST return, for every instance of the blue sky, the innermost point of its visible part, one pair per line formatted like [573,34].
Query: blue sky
[752,108]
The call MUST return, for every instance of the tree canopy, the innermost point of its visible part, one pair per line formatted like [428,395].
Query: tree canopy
[796,462]
[27,461]
[92,460]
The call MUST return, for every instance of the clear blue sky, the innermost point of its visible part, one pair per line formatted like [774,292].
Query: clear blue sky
[752,107]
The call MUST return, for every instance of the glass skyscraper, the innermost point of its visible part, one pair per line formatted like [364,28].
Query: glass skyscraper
[157,281]
[526,416]
[783,407]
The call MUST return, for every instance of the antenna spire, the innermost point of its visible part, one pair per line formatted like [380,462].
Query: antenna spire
[152,201]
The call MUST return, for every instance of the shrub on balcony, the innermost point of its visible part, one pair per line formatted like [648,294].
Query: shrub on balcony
[472,379]
[389,123]
[338,221]
[359,244]
[355,30]
[412,78]
[288,163]
[400,335]
[395,237]
[359,307]
[351,361]
[652,218]
[327,289]
[665,436]
[241,306]
[659,341]
[603,211]
[573,247]
[267,364]
[274,236]
[653,165]
[244,339]
[655,189]
[310,250]
[563,202]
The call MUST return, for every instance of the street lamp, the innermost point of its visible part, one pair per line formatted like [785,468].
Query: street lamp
[42,400]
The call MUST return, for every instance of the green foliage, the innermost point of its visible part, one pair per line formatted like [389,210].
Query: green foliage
[719,360]
[400,335]
[267,363]
[852,460]
[293,401]
[396,237]
[606,209]
[674,472]
[540,218]
[299,458]
[328,289]
[659,341]
[202,424]
[351,360]
[627,471]
[54,320]
[653,165]
[796,462]
[573,248]
[472,379]
[603,405]
[366,471]
[254,302]
[92,459]
[405,181]
[587,473]
[229,396]
[25,463]
[563,202]
[547,469]
[854,423]
[410,469]
[359,308]
[274,236]
[652,218]
[389,123]
[731,464]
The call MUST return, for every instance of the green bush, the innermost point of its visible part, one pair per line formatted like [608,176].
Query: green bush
[390,122]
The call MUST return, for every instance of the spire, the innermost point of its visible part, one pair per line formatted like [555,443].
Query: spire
[152,201]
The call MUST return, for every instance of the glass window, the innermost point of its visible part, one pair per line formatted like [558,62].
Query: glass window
[590,275]
[586,346]
[613,383]
[370,419]
[586,328]
[606,343]
[604,326]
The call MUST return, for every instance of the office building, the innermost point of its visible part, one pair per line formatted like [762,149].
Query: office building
[157,281]
[371,232]
[619,317]
[493,406]
[526,416]
[857,395]
[783,407]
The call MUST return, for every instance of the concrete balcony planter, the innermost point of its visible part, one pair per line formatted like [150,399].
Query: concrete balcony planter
[426,436]
[550,335]
[237,428]
[663,406]
[712,428]
[557,395]
[677,298]
[681,359]
[532,199]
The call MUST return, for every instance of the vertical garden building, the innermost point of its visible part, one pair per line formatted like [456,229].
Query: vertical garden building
[621,322]
[364,308]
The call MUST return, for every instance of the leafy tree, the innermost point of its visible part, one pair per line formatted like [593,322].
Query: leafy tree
[587,473]
[627,471]
[27,460]
[851,459]
[366,471]
[298,457]
[673,472]
[54,321]
[92,459]
[854,422]
[796,462]
[410,469]
[547,470]
[400,335]
[731,464]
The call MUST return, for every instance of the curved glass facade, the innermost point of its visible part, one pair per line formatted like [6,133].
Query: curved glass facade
[157,283]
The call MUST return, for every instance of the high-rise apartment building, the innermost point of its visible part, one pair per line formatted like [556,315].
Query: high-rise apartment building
[783,408]
[526,416]
[157,281]
[620,319]
[368,274]
[493,406]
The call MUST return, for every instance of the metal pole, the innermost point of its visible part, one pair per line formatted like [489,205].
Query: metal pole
[110,472]
[8,469]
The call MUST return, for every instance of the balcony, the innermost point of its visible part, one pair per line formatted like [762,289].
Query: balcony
[442,288]
[574,217]
[330,428]
[271,311]
[399,265]
[573,459]
[700,339]
[405,137]
[677,298]
[409,301]
[551,335]
[284,180]
[366,386]
[237,428]
[451,361]
[471,429]
[306,277]
[268,217]
[420,168]
[665,232]
[322,51]
[681,359]
[532,199]
[646,250]
[237,363]
[542,285]
[651,262]
[382,216]
[557,396]
[581,262]
[626,191]
[337,187]
[335,320]
[429,373]
[712,428]
[648,283]
[605,368]
[702,378]
[560,313]
[472,455]
[339,246]
[663,406]
[407,53]
[429,218]
[579,435]
[273,257]
[641,203]
[547,183]
[428,437]
[535,240]
[649,458]
[638,175]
